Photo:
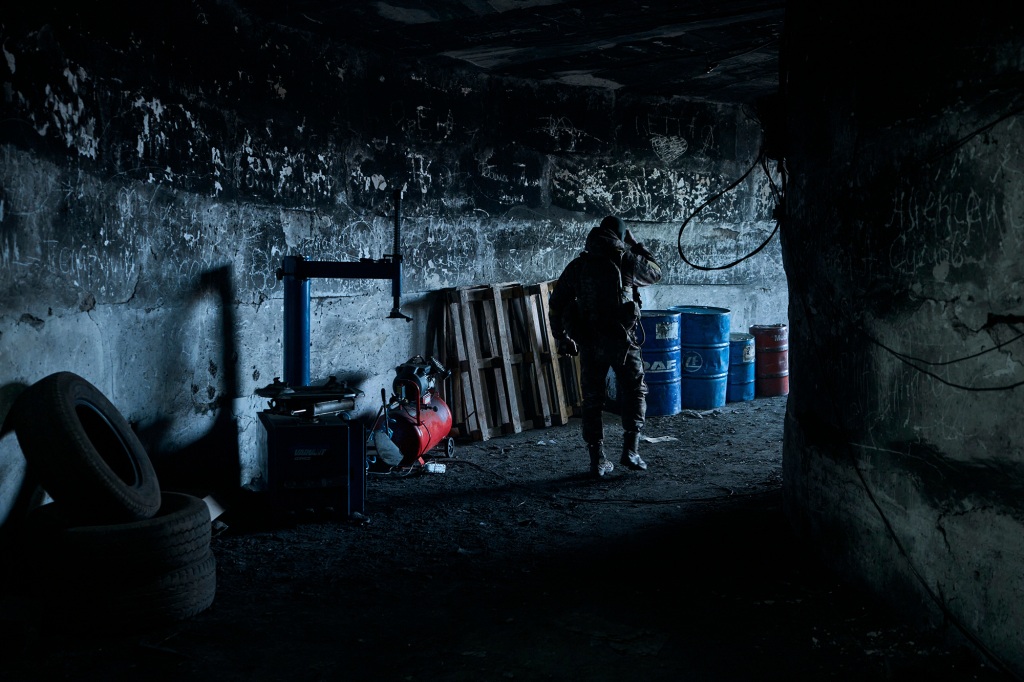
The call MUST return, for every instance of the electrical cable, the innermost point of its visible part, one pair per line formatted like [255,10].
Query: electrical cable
[915,362]
[904,359]
[396,472]
[974,639]
[936,363]
[971,135]
[761,160]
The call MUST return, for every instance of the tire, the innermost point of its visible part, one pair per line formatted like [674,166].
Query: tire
[139,602]
[178,535]
[83,451]
[172,596]
[127,576]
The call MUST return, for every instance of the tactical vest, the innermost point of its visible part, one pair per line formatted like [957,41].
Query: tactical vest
[605,308]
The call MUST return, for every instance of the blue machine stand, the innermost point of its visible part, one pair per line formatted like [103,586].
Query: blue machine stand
[316,455]
[295,274]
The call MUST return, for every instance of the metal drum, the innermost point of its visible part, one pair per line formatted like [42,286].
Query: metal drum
[771,344]
[741,368]
[704,355]
[659,347]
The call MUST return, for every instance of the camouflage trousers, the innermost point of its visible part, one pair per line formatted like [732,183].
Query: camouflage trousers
[631,390]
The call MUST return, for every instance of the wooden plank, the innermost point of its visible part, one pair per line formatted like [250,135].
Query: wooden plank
[486,365]
[562,410]
[471,405]
[450,390]
[536,338]
[476,377]
[569,366]
[504,349]
[463,412]
[492,365]
[522,358]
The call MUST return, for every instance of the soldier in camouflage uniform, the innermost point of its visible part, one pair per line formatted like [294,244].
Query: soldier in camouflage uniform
[595,310]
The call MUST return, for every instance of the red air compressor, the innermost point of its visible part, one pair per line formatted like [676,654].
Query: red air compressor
[417,419]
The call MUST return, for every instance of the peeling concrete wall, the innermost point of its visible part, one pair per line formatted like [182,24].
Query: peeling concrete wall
[150,186]
[903,453]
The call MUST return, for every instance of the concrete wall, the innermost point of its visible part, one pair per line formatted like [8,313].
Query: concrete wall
[903,453]
[152,179]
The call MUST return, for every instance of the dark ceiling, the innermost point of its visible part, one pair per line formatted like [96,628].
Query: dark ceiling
[715,50]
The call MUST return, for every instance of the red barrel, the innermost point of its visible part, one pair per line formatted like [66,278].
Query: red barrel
[771,359]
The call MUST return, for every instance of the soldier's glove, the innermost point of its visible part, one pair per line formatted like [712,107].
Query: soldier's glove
[641,250]
[567,346]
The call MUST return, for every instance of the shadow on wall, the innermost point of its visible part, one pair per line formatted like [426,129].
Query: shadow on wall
[212,463]
[18,490]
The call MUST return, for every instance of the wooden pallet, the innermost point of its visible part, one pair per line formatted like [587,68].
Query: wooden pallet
[506,377]
[558,377]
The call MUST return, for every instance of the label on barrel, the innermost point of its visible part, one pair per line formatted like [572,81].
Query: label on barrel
[668,365]
[666,330]
[748,353]
[692,362]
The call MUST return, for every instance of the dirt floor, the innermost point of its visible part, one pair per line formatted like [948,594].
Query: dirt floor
[514,564]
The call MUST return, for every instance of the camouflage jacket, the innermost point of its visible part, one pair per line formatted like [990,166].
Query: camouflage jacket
[593,300]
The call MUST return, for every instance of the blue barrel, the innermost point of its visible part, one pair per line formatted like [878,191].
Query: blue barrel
[704,355]
[659,347]
[741,368]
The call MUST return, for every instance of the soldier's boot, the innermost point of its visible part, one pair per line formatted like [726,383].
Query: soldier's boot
[599,465]
[630,451]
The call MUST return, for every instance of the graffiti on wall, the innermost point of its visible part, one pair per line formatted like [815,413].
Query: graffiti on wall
[939,229]
[184,181]
[961,217]
[564,136]
[947,248]
[640,191]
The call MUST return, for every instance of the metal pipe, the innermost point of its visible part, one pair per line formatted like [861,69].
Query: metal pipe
[398,223]
[396,258]
[296,322]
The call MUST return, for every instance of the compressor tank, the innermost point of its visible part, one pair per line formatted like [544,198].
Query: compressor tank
[417,431]
[419,419]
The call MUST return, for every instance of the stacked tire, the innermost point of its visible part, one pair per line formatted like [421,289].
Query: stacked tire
[112,549]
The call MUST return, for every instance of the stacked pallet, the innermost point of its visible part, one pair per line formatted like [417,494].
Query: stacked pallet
[506,376]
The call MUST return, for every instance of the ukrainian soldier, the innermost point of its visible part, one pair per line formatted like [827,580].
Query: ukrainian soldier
[595,309]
